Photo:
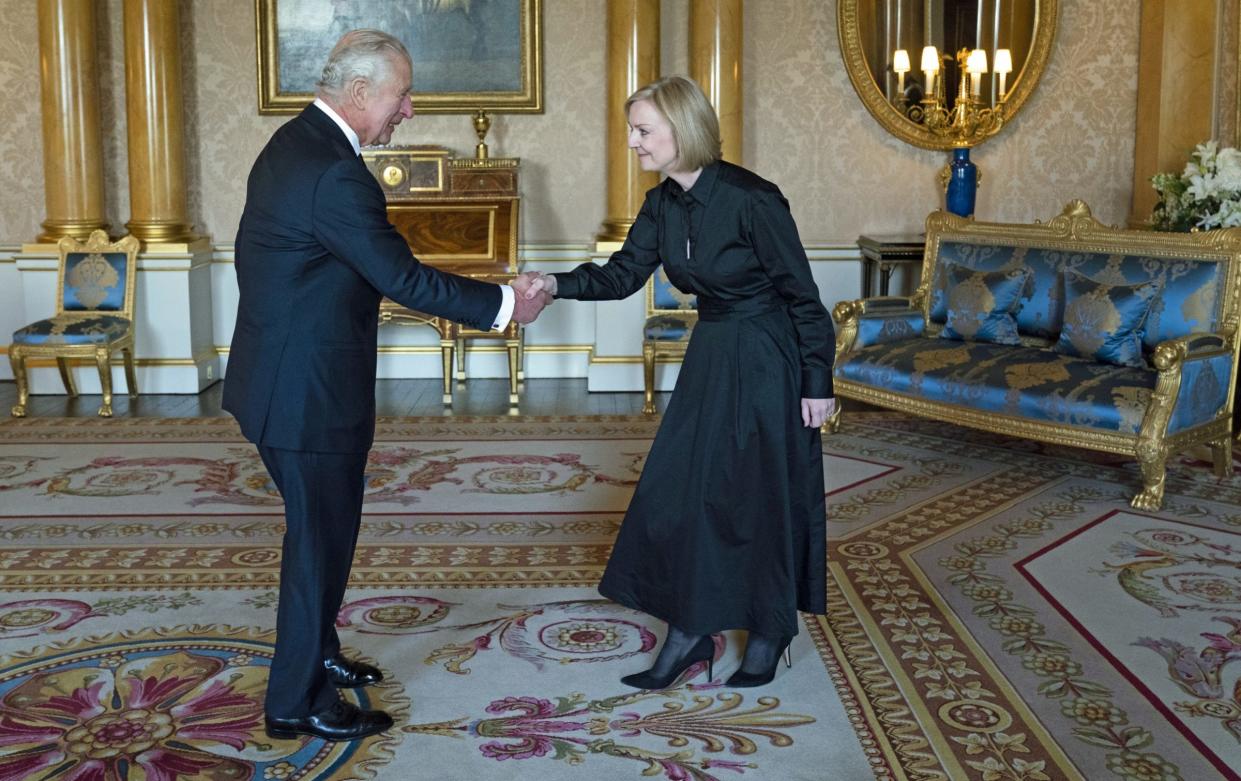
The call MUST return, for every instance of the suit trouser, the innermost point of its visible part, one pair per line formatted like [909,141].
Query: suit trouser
[322,510]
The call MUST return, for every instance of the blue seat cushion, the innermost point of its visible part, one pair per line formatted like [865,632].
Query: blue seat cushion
[667,328]
[1104,322]
[1028,382]
[62,329]
[982,304]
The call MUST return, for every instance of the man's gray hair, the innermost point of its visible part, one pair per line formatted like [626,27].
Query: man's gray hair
[360,54]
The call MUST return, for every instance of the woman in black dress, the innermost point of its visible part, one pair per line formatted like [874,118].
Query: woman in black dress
[727,526]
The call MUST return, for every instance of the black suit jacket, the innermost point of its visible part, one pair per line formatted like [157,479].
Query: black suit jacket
[314,255]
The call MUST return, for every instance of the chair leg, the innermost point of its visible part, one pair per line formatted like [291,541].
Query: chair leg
[18,362]
[521,355]
[1221,455]
[1154,473]
[514,364]
[648,377]
[131,376]
[103,359]
[66,376]
[446,346]
[461,359]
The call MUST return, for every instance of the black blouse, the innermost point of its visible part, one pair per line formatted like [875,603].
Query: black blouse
[728,238]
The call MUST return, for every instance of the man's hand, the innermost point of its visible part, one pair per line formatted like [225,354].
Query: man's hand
[526,306]
[815,412]
[531,283]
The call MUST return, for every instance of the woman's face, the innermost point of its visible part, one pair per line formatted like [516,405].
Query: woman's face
[650,136]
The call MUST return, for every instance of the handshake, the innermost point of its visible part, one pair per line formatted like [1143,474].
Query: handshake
[534,290]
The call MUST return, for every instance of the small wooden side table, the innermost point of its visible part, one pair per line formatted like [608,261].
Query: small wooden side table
[888,251]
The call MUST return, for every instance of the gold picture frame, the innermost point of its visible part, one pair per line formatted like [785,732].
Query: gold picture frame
[499,72]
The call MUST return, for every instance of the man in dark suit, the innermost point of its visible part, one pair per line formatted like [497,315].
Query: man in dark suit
[315,253]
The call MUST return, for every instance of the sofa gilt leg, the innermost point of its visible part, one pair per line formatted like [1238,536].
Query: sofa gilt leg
[1221,455]
[1153,462]
[832,424]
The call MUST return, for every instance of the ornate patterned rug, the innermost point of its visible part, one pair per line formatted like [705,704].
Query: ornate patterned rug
[997,612]
[138,561]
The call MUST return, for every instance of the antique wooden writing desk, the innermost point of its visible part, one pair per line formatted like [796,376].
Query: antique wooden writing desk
[459,215]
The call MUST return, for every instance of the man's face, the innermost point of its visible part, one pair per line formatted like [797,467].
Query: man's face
[386,104]
[650,136]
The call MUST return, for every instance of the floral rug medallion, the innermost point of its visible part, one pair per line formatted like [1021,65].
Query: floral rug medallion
[177,703]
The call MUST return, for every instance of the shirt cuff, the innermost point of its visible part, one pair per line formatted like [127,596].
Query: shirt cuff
[506,308]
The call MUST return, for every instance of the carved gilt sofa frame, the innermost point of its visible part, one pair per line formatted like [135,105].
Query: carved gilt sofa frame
[1184,398]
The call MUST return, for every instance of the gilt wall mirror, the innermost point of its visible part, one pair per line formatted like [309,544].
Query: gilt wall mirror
[887,51]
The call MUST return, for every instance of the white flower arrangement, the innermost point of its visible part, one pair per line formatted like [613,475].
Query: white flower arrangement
[1207,194]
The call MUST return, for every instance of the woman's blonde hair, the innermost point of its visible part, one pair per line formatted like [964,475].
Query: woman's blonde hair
[695,128]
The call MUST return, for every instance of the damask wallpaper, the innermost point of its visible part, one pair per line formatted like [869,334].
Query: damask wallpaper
[805,128]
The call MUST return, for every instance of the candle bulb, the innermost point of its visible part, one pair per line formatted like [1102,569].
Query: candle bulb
[976,66]
[1003,66]
[900,64]
[930,66]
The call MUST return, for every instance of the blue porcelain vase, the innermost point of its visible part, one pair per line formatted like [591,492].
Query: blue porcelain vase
[962,183]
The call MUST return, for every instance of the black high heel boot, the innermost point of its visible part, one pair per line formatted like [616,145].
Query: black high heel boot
[703,650]
[742,679]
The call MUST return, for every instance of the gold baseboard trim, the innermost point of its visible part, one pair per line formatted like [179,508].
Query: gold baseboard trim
[635,359]
[548,349]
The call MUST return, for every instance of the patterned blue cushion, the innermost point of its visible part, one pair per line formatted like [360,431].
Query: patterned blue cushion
[667,328]
[888,327]
[94,281]
[1104,322]
[982,304]
[1022,382]
[66,329]
[1191,300]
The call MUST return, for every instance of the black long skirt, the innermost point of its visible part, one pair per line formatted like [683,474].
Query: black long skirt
[727,526]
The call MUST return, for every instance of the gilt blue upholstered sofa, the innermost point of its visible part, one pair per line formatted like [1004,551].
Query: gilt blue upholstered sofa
[1067,332]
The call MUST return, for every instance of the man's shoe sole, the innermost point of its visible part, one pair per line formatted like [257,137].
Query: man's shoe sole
[283,734]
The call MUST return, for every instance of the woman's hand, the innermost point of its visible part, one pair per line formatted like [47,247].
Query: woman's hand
[531,283]
[815,412]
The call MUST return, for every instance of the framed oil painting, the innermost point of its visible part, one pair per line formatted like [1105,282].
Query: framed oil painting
[468,54]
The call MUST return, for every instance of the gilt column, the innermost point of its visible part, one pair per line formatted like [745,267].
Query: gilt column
[72,143]
[715,63]
[633,61]
[155,110]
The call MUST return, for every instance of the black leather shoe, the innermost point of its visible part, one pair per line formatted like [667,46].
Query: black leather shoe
[341,721]
[348,674]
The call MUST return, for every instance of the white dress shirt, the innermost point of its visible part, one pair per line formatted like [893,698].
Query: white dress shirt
[507,296]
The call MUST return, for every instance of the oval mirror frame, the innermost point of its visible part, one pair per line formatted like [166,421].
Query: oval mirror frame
[898,124]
